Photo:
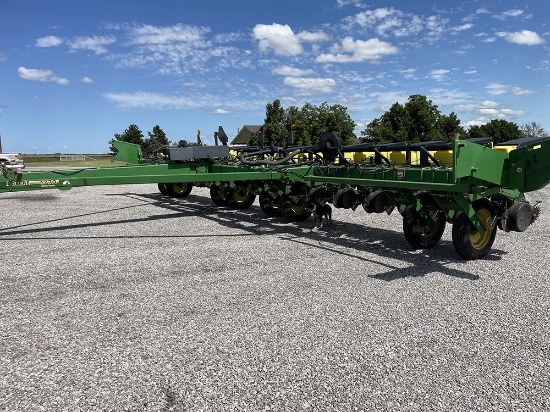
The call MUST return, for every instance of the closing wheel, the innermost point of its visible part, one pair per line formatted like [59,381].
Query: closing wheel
[178,189]
[270,204]
[296,208]
[467,241]
[418,233]
[240,197]
[217,195]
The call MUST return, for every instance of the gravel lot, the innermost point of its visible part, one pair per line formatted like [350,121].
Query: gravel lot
[117,298]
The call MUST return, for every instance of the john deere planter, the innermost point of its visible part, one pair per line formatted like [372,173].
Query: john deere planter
[474,185]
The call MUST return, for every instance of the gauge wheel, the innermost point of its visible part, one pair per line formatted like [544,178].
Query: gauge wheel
[418,233]
[296,208]
[270,205]
[467,241]
[179,190]
[217,195]
[239,197]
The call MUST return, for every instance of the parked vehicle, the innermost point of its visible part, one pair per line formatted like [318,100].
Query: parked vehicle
[12,160]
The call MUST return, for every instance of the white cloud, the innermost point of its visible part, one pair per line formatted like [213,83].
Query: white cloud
[145,100]
[508,13]
[445,97]
[385,21]
[177,49]
[48,41]
[179,33]
[490,104]
[439,74]
[369,18]
[196,85]
[458,29]
[94,43]
[310,86]
[387,99]
[280,38]
[524,37]
[40,75]
[408,73]
[313,37]
[413,26]
[221,111]
[87,79]
[496,88]
[283,40]
[357,51]
[488,110]
[436,26]
[518,91]
[291,71]
[342,3]
[208,102]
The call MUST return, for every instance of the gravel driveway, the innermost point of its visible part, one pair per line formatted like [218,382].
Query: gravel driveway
[117,298]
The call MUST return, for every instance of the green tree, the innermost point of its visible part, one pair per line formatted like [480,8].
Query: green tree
[275,131]
[533,129]
[449,127]
[131,135]
[334,119]
[418,120]
[310,123]
[157,140]
[500,130]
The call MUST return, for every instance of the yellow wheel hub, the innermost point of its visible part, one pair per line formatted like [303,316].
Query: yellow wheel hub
[298,208]
[478,240]
[180,187]
[429,231]
[241,198]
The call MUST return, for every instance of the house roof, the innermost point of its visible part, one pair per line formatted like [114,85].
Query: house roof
[244,135]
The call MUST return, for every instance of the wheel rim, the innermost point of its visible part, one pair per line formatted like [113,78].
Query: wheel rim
[241,198]
[430,231]
[269,202]
[298,208]
[217,194]
[274,204]
[478,240]
[180,188]
[270,205]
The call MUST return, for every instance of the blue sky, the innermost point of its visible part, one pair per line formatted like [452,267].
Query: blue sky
[74,73]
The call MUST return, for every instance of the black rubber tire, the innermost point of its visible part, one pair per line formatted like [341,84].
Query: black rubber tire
[179,190]
[467,241]
[296,211]
[163,189]
[217,195]
[240,197]
[271,206]
[419,234]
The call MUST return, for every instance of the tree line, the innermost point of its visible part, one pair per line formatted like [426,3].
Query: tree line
[415,121]
[421,120]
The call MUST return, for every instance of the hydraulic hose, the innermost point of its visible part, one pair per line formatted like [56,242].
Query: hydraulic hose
[260,162]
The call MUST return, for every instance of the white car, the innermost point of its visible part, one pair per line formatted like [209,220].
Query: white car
[12,160]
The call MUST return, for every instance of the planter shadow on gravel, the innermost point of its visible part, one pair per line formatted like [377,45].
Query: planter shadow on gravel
[353,240]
